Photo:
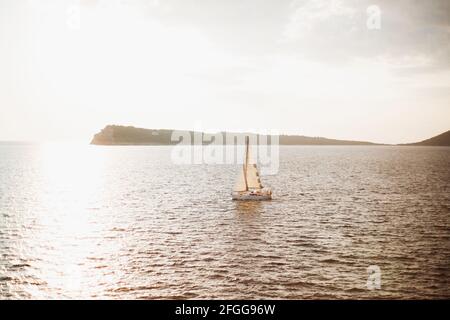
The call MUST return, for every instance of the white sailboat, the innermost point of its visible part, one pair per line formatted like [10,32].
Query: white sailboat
[248,185]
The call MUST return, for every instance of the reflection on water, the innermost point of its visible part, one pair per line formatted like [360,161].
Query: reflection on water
[248,207]
[123,222]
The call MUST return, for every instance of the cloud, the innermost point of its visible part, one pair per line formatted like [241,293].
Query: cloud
[309,67]
[309,16]
[336,31]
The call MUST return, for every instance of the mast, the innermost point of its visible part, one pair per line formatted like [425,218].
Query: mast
[246,162]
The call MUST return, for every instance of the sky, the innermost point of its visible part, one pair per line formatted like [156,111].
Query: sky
[374,70]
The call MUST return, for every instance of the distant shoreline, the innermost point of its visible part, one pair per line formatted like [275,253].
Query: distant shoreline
[116,135]
[131,136]
[122,135]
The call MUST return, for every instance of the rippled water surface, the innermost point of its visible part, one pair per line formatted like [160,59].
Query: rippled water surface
[124,222]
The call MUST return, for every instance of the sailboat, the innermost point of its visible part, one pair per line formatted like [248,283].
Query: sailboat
[248,185]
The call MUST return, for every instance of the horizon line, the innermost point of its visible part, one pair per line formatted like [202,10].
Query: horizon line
[82,141]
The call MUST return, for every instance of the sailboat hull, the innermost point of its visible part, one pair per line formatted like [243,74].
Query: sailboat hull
[252,196]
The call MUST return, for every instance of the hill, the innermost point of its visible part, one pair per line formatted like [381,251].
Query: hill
[126,135]
[439,140]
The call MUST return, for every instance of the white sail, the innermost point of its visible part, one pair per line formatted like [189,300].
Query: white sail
[253,180]
[241,184]
[248,185]
[248,177]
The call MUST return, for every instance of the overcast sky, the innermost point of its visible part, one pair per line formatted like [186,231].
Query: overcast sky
[68,67]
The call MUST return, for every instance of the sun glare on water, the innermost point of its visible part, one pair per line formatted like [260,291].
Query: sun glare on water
[70,182]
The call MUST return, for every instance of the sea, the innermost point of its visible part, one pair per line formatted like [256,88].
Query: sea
[126,222]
